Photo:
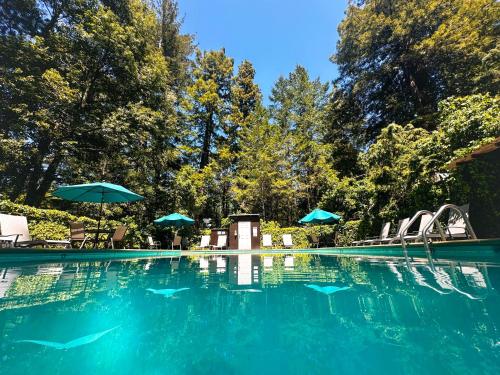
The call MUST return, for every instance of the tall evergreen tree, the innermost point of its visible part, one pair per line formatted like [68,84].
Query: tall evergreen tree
[176,47]
[245,98]
[262,183]
[209,101]
[297,107]
[399,58]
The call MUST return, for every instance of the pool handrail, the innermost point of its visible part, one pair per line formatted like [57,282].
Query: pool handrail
[404,231]
[408,226]
[435,218]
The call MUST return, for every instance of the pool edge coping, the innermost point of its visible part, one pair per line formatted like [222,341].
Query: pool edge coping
[16,255]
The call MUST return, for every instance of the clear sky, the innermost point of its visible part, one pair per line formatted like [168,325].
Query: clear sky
[275,35]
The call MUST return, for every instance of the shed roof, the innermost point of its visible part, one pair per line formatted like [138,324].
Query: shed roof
[480,152]
[247,217]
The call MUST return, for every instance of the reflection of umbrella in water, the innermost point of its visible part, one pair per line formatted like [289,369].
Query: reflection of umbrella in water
[97,192]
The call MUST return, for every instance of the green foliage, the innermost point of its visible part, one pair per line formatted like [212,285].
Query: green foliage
[96,90]
[297,108]
[208,100]
[88,98]
[300,235]
[398,58]
[50,224]
[350,231]
[261,183]
[405,170]
[245,97]
[47,230]
[468,122]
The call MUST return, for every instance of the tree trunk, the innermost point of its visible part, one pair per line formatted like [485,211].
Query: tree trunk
[207,141]
[39,187]
[35,175]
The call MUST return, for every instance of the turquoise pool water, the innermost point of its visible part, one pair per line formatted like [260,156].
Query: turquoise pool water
[250,314]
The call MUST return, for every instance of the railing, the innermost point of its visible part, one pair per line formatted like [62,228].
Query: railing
[470,232]
[404,231]
[427,228]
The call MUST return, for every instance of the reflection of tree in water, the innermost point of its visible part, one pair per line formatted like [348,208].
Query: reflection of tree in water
[386,319]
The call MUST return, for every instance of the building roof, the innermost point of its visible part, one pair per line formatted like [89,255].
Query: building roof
[483,151]
[247,217]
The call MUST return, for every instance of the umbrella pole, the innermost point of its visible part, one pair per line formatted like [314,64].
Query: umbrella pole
[96,241]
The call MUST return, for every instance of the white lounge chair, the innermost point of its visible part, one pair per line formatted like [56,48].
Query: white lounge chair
[401,227]
[424,220]
[267,240]
[221,242]
[152,244]
[205,242]
[456,227]
[384,234]
[15,229]
[287,240]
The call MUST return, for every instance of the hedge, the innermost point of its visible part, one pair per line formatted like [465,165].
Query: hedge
[343,233]
[54,224]
[49,224]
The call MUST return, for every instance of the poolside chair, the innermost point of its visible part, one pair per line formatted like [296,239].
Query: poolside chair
[205,242]
[384,234]
[456,227]
[424,220]
[15,229]
[401,226]
[177,242]
[118,236]
[77,234]
[287,241]
[314,240]
[267,240]
[152,243]
[221,242]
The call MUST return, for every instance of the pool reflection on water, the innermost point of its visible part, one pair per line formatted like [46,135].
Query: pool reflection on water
[247,313]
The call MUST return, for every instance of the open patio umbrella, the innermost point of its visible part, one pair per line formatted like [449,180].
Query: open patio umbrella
[97,192]
[174,220]
[318,216]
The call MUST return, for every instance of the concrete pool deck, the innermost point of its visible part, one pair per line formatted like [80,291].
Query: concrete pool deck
[480,250]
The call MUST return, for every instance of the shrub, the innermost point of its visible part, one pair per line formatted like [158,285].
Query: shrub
[52,224]
[349,232]
[300,235]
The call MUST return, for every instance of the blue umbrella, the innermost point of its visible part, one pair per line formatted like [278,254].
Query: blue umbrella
[97,192]
[174,220]
[318,216]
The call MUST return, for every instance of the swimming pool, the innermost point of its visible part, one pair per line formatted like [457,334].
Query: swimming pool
[251,313]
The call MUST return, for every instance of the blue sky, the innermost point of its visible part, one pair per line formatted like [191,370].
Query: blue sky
[275,35]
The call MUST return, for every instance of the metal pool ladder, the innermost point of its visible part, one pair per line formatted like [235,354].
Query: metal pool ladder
[425,232]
